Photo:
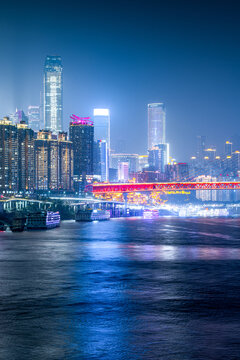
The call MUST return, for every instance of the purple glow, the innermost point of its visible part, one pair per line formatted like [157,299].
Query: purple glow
[80,120]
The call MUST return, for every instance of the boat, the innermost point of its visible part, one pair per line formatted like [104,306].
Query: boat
[18,224]
[92,215]
[43,220]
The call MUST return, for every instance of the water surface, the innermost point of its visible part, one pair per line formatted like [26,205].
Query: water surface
[123,289]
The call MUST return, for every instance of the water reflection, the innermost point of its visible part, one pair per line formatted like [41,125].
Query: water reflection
[124,289]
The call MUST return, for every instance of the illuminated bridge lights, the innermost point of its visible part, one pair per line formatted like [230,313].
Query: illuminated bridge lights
[102,188]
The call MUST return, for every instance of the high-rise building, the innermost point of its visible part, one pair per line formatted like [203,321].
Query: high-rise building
[53,161]
[158,157]
[156,124]
[104,158]
[53,94]
[102,128]
[8,157]
[34,117]
[81,132]
[228,148]
[25,158]
[65,162]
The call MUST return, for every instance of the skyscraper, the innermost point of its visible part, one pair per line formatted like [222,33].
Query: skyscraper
[81,134]
[156,124]
[53,161]
[8,157]
[34,117]
[102,132]
[25,158]
[53,94]
[158,157]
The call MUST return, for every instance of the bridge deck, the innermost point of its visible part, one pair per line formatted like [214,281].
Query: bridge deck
[164,186]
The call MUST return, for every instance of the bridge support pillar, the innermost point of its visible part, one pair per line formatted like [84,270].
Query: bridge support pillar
[125,197]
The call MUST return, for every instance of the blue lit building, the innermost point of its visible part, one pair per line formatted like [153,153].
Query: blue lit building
[53,94]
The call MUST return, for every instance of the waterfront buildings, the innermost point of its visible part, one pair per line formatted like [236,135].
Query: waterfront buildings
[53,94]
[16,157]
[8,157]
[53,161]
[26,180]
[34,117]
[81,133]
[156,124]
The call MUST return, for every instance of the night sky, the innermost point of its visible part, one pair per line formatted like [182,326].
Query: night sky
[125,54]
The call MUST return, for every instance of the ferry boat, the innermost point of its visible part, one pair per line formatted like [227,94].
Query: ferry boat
[43,220]
[92,215]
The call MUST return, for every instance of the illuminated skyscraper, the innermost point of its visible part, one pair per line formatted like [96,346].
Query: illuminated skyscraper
[156,124]
[102,131]
[81,132]
[8,157]
[34,117]
[25,158]
[158,157]
[53,161]
[53,94]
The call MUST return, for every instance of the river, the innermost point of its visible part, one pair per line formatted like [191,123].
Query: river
[123,289]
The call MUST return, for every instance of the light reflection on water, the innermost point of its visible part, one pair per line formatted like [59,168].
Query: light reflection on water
[123,289]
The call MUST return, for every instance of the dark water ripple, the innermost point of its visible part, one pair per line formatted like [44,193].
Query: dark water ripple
[123,289]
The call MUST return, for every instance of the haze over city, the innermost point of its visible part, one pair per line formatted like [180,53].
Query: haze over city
[124,55]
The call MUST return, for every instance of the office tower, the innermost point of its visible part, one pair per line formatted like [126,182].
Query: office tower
[201,146]
[104,167]
[158,157]
[156,124]
[25,158]
[102,127]
[34,118]
[228,148]
[81,132]
[8,157]
[131,159]
[65,162]
[53,94]
[123,171]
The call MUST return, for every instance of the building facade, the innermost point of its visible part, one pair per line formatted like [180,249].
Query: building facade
[34,118]
[53,94]
[26,179]
[102,132]
[8,157]
[53,162]
[156,124]
[81,133]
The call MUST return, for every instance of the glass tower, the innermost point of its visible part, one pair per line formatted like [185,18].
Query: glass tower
[53,94]
[156,124]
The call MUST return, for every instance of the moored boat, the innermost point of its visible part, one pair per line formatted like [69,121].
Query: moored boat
[92,215]
[43,220]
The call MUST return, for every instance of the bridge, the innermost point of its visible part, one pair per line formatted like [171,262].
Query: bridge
[103,188]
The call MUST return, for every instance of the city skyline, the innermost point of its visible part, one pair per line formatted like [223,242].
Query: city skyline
[113,71]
